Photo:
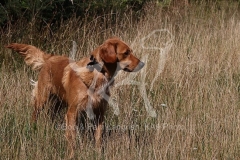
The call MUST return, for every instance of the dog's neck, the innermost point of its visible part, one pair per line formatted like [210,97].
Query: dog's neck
[110,70]
[107,69]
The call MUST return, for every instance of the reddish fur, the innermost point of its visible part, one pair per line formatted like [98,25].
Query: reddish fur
[71,82]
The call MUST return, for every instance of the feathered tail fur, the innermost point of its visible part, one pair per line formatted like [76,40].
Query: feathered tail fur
[33,56]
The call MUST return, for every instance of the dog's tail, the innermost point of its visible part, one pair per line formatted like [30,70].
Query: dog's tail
[33,56]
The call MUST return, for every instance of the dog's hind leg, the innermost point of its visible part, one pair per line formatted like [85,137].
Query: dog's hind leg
[71,120]
[41,94]
[40,99]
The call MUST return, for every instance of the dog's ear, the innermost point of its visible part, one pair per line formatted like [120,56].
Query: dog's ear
[108,53]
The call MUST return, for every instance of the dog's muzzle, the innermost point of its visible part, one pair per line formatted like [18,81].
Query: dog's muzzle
[137,68]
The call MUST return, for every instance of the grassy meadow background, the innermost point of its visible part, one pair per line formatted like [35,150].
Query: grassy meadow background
[196,97]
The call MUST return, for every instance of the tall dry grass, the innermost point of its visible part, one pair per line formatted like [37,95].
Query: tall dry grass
[196,96]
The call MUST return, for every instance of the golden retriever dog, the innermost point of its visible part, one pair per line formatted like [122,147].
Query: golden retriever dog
[83,85]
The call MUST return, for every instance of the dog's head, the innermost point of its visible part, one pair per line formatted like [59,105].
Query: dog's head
[114,50]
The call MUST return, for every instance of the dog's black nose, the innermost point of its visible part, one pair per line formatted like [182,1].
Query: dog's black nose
[141,64]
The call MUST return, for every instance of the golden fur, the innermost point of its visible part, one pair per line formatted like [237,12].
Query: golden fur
[83,85]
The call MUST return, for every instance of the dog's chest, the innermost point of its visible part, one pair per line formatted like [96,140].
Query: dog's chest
[97,86]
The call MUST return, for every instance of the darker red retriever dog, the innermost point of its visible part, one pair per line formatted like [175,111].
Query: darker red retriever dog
[83,85]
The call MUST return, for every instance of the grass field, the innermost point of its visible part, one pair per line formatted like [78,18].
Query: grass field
[193,87]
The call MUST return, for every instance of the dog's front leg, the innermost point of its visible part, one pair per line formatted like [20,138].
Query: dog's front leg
[98,132]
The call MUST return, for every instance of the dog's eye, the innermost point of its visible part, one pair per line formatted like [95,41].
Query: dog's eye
[127,53]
